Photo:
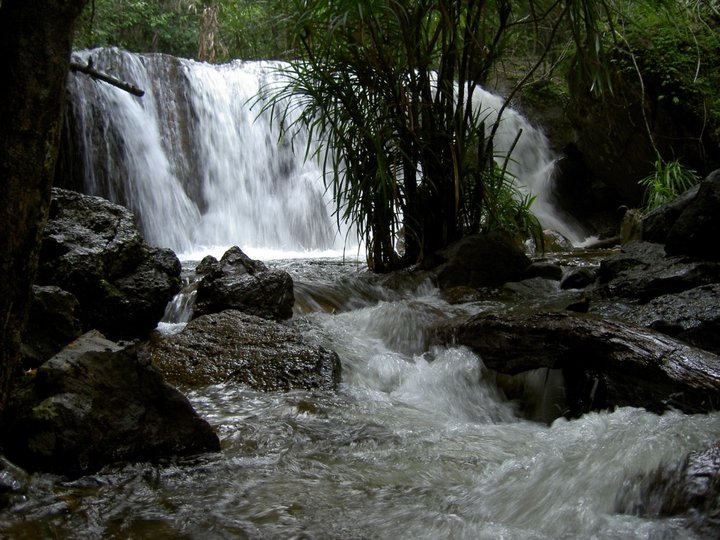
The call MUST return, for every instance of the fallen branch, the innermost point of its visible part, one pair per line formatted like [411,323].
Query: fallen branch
[92,72]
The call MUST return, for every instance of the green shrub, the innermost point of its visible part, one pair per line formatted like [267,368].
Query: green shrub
[669,180]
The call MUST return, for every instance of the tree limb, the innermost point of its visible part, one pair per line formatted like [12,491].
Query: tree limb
[89,70]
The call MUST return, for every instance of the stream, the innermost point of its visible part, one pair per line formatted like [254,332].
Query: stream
[414,444]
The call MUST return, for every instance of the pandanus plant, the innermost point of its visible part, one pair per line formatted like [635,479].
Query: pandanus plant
[387,86]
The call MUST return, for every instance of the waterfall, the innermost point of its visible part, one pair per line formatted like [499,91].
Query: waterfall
[201,168]
[197,165]
[531,162]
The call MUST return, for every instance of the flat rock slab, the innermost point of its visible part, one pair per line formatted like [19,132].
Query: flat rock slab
[235,346]
[606,363]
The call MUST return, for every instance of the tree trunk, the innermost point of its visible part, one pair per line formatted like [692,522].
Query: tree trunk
[35,44]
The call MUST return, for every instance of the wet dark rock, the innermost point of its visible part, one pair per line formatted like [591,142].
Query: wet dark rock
[689,489]
[553,241]
[94,404]
[239,282]
[606,363]
[544,270]
[642,271]
[697,228]
[578,278]
[206,266]
[14,482]
[481,260]
[92,248]
[532,288]
[692,316]
[461,295]
[579,306]
[656,224]
[235,346]
[52,324]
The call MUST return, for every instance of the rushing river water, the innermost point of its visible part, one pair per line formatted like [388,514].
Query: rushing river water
[414,444]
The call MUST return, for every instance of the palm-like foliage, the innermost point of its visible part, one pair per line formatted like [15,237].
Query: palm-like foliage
[388,86]
[666,182]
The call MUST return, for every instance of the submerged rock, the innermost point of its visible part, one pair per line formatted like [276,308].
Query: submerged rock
[14,482]
[92,248]
[239,282]
[94,404]
[689,489]
[605,363]
[578,278]
[236,346]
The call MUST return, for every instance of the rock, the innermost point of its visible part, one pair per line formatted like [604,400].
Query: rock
[689,489]
[544,270]
[481,260]
[578,278]
[579,306]
[236,346]
[656,224]
[641,271]
[631,226]
[532,288]
[14,482]
[697,228]
[206,266]
[238,282]
[52,323]
[605,363]
[461,295]
[93,249]
[94,404]
[692,316]
[553,241]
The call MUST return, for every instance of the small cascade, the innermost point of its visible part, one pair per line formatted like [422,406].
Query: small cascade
[532,162]
[201,167]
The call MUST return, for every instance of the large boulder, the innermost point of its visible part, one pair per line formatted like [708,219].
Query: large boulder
[481,260]
[94,404]
[92,248]
[656,224]
[697,228]
[235,346]
[642,271]
[605,363]
[692,316]
[239,282]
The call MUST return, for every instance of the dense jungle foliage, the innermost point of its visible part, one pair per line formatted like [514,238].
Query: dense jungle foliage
[387,85]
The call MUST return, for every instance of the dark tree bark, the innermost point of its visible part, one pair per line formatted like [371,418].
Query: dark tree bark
[35,45]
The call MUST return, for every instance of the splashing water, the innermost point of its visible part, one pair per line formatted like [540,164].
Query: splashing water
[415,444]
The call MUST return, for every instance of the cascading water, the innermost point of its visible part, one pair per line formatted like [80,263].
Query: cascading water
[416,443]
[195,163]
[531,162]
[201,167]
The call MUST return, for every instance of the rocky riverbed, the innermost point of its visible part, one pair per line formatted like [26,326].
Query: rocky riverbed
[631,326]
